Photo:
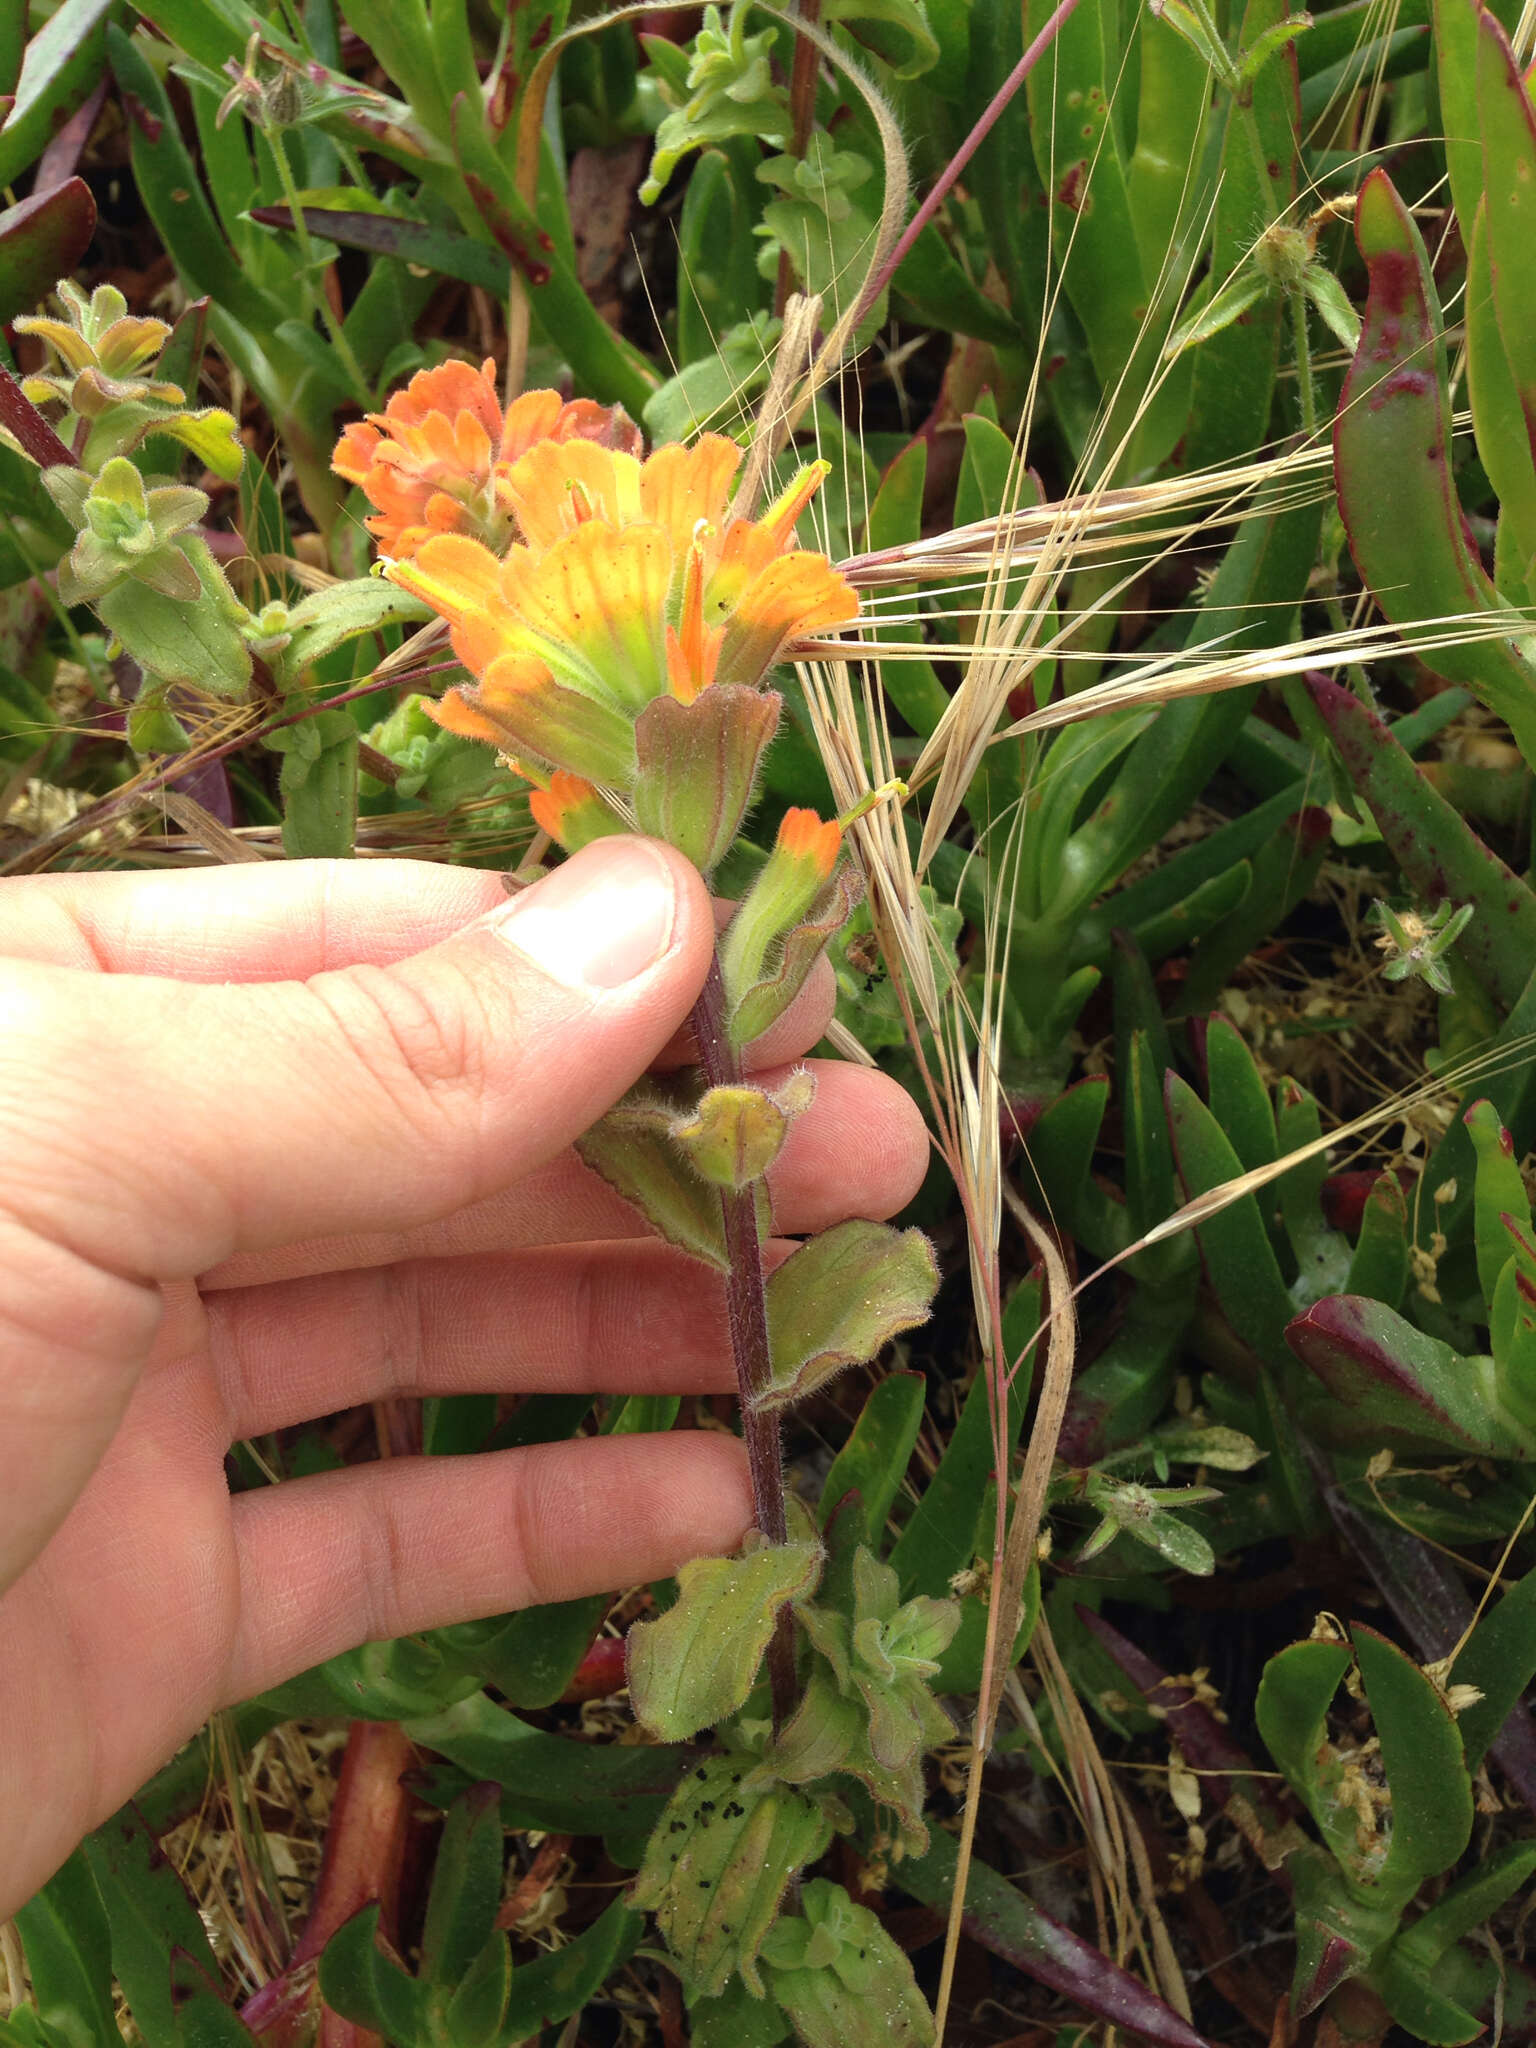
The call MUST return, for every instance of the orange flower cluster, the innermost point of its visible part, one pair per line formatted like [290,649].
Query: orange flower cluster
[630,582]
[594,595]
[434,461]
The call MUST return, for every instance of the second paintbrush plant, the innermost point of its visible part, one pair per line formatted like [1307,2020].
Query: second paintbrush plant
[618,616]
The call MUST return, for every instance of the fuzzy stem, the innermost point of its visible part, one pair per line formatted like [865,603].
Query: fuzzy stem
[747,1311]
[983,126]
[802,117]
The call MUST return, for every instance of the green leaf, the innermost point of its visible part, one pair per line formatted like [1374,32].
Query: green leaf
[172,194]
[530,1657]
[476,2005]
[738,2020]
[1414,2002]
[1499,1192]
[1500,1660]
[940,1537]
[895,31]
[631,1147]
[364,1984]
[727,89]
[1379,1267]
[59,71]
[342,612]
[1321,1253]
[1239,1100]
[1392,465]
[466,1886]
[176,642]
[1266,47]
[695,1666]
[1426,1769]
[1333,307]
[842,1978]
[1228,303]
[1441,857]
[1294,1696]
[1234,1245]
[1498,418]
[840,1298]
[1468,1904]
[555,1987]
[318,782]
[548,1781]
[1234,372]
[1388,1383]
[718,1864]
[160,1950]
[873,1462]
[932,282]
[68,1948]
[1506,124]
[42,238]
[713,392]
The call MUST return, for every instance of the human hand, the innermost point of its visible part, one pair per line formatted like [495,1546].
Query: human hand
[276,1141]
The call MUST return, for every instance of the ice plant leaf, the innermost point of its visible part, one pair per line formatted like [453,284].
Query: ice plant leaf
[840,1297]
[1506,124]
[696,1665]
[1391,446]
[718,1863]
[1499,1191]
[1388,1383]
[1422,1754]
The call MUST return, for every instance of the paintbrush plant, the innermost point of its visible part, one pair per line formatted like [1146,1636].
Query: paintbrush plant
[618,617]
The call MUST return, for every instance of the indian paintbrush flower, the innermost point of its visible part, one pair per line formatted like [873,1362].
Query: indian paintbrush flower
[623,637]
[436,459]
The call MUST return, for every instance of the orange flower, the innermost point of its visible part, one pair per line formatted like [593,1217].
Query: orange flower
[805,839]
[433,460]
[628,582]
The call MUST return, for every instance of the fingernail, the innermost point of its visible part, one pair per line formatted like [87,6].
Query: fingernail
[600,919]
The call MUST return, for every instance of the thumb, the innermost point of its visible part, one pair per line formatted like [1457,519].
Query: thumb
[151,1128]
[233,1118]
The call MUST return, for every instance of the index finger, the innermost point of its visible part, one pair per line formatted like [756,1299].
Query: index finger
[283,920]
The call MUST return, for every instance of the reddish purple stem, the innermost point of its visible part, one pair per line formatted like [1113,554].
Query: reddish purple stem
[747,1314]
[968,148]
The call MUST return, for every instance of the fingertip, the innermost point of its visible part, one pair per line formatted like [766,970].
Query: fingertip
[861,1151]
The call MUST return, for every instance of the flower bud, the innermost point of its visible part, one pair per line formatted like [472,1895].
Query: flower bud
[798,869]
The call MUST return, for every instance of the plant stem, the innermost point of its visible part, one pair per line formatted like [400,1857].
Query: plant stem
[1302,344]
[747,1312]
[983,126]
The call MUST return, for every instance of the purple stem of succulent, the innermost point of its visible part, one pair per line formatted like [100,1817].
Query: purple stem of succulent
[962,156]
[747,1313]
[19,416]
